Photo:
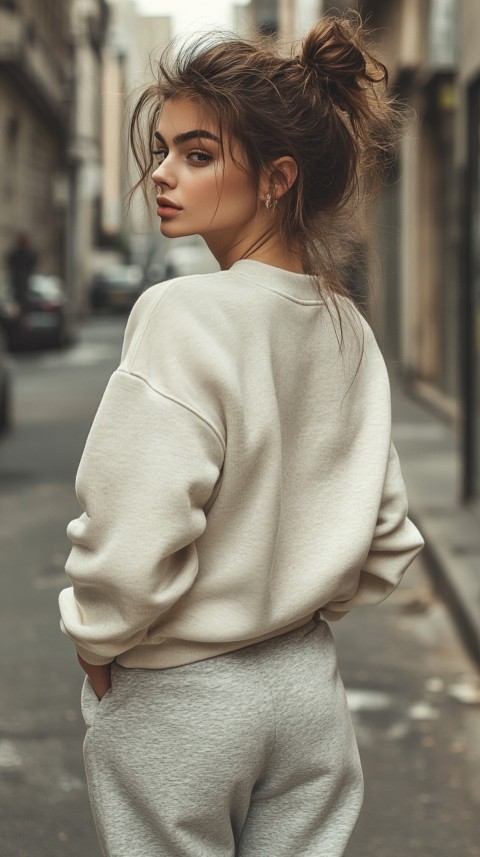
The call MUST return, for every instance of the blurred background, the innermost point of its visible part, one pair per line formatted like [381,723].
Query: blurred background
[73,260]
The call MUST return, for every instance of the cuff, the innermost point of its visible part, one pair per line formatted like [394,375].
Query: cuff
[91,658]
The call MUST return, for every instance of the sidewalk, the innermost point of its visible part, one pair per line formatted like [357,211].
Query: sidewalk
[429,457]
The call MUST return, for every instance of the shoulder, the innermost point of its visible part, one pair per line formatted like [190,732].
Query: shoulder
[360,351]
[169,307]
[187,288]
[184,293]
[353,322]
[176,343]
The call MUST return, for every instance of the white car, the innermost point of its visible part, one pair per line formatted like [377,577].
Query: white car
[189,255]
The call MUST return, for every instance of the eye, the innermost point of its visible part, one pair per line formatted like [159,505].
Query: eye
[200,157]
[159,155]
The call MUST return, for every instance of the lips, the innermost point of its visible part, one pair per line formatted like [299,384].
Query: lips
[166,208]
[163,202]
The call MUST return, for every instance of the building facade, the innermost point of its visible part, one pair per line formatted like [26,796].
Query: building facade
[467,162]
[428,235]
[412,268]
[134,42]
[34,78]
[88,25]
[265,16]
[285,19]
[50,156]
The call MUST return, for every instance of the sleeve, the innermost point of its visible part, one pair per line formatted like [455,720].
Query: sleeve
[395,544]
[149,467]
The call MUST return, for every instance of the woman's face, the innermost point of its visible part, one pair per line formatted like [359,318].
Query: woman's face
[198,190]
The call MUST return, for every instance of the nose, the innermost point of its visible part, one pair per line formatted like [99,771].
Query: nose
[161,176]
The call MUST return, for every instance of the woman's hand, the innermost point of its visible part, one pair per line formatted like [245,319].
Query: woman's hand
[100,676]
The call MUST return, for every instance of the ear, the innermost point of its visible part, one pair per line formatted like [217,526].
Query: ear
[282,175]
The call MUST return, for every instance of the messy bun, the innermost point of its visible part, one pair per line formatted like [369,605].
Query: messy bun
[347,86]
[326,105]
[334,56]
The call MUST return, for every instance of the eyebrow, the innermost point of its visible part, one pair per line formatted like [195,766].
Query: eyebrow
[198,134]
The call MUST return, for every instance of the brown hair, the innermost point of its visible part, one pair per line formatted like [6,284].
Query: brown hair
[326,106]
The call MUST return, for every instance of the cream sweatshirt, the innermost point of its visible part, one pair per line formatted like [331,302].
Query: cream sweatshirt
[238,476]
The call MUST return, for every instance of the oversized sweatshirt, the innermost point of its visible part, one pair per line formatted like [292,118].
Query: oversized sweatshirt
[239,474]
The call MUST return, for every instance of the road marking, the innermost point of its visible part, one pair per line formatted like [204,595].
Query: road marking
[423,711]
[466,691]
[69,783]
[88,354]
[419,431]
[83,354]
[368,700]
[398,730]
[9,758]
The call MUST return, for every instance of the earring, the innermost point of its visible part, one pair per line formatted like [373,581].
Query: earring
[270,204]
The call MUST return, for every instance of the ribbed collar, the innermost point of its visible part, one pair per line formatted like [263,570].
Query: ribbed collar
[300,287]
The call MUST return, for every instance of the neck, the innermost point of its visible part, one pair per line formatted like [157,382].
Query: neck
[268,249]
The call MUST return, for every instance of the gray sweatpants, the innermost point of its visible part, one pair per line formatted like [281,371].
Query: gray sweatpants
[250,754]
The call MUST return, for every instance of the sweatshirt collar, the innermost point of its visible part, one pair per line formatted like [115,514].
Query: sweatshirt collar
[297,286]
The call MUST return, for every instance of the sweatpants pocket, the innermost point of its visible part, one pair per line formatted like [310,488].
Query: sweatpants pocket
[90,704]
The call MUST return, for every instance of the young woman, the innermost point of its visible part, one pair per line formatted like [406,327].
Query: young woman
[239,483]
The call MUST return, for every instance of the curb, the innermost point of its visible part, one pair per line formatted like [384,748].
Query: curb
[454,580]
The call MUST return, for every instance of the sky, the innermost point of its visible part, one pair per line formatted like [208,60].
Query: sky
[188,15]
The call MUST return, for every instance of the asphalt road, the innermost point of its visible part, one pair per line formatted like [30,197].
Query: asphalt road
[406,673]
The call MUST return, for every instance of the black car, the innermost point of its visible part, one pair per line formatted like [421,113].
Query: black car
[116,287]
[5,388]
[43,317]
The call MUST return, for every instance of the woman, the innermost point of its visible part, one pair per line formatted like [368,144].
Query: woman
[239,483]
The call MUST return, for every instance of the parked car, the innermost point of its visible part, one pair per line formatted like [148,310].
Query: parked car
[5,387]
[116,287]
[155,272]
[43,318]
[189,255]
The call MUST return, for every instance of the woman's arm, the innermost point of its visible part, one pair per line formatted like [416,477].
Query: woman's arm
[395,544]
[100,676]
[149,467]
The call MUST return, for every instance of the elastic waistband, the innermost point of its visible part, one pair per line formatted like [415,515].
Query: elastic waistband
[267,650]
[174,652]
[272,646]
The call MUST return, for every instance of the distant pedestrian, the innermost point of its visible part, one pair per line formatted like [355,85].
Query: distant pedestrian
[21,263]
[239,483]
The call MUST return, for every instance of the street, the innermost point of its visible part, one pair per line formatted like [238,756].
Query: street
[405,670]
